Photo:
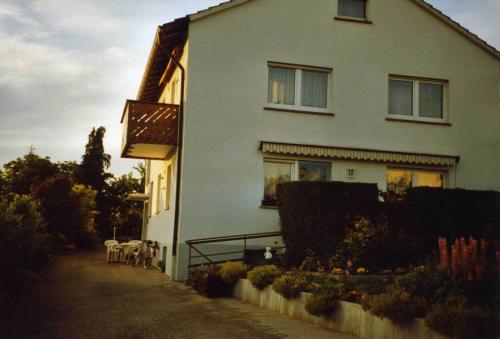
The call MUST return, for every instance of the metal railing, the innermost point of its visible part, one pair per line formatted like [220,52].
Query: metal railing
[208,257]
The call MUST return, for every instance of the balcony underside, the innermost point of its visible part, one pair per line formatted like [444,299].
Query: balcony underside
[149,130]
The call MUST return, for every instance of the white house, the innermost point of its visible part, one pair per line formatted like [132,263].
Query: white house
[253,92]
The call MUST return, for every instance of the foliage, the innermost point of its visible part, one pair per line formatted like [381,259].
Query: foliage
[396,305]
[25,243]
[92,172]
[321,303]
[312,263]
[314,215]
[261,276]
[452,213]
[126,215]
[430,284]
[22,174]
[455,319]
[290,284]
[66,211]
[207,281]
[231,271]
[141,169]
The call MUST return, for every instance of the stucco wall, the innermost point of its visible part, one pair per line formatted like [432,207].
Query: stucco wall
[227,90]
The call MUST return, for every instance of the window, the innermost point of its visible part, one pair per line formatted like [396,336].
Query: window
[168,186]
[400,180]
[158,195]
[314,171]
[352,8]
[303,89]
[279,171]
[275,172]
[417,99]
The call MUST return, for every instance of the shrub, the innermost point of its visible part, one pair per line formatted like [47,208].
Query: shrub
[261,276]
[207,281]
[456,320]
[290,285]
[314,214]
[398,306]
[231,271]
[432,285]
[321,303]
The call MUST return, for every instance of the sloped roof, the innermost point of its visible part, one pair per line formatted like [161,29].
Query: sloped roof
[421,3]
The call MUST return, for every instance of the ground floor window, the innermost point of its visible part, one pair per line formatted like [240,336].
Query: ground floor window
[400,179]
[277,171]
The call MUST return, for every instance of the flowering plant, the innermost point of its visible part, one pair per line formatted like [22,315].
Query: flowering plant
[337,270]
[400,270]
[362,270]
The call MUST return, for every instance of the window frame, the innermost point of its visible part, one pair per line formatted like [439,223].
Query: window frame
[294,175]
[415,116]
[415,170]
[168,187]
[356,18]
[297,106]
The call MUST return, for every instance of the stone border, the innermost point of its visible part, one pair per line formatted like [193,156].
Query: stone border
[349,317]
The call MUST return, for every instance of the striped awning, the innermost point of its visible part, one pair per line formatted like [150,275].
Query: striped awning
[359,154]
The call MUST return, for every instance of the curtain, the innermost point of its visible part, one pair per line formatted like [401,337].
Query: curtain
[400,97]
[281,86]
[314,89]
[274,174]
[430,100]
[352,8]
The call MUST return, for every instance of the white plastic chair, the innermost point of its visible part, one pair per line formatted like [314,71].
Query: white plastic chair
[131,250]
[111,250]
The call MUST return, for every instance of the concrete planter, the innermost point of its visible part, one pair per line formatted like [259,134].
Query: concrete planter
[349,318]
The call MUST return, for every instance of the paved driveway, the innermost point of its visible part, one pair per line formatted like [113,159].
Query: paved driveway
[83,297]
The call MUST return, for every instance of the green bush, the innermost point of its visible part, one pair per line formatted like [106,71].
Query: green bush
[290,285]
[231,271]
[321,303]
[314,215]
[431,284]
[458,321]
[398,306]
[261,276]
[206,280]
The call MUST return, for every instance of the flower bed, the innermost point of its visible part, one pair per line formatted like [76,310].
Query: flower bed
[348,317]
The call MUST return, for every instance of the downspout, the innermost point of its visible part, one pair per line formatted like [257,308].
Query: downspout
[180,130]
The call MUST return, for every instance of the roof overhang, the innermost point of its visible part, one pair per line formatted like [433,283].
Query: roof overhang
[169,41]
[358,154]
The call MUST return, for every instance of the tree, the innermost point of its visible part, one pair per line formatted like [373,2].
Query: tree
[61,209]
[92,172]
[21,174]
[68,167]
[127,215]
[141,169]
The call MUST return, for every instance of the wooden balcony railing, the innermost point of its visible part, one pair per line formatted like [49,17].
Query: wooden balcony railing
[149,130]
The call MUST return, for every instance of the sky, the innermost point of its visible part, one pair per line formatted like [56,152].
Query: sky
[69,65]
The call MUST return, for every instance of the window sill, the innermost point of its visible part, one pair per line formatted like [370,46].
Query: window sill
[269,207]
[438,123]
[292,110]
[349,19]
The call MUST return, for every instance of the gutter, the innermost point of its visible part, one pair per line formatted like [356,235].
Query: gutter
[180,132]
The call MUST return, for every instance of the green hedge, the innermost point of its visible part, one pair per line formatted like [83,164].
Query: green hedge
[314,215]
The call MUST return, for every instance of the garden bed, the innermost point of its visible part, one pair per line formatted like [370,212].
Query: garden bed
[348,318]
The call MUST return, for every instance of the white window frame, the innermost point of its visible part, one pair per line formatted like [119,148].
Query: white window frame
[415,170]
[298,88]
[416,102]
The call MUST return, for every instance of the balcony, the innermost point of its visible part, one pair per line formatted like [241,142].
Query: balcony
[149,130]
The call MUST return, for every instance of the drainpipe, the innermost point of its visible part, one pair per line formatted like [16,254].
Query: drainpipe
[180,128]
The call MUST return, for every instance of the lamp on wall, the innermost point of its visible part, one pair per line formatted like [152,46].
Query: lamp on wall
[351,172]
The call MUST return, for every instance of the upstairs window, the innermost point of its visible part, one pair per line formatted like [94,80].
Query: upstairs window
[352,8]
[417,99]
[298,88]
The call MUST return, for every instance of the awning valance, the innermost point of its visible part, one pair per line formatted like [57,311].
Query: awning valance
[344,153]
